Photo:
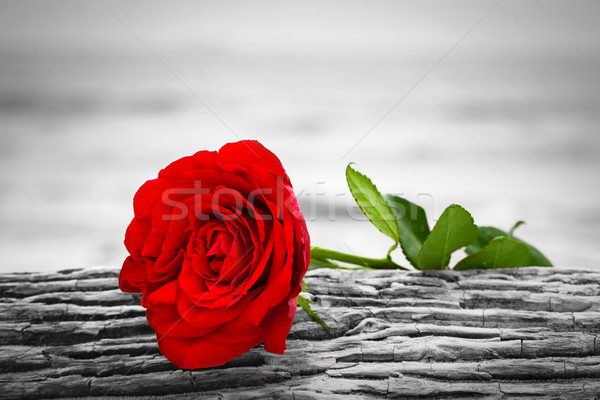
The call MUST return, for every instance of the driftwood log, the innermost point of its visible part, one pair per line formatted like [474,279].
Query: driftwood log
[515,333]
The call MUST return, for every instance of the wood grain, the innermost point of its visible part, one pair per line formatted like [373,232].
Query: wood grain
[514,333]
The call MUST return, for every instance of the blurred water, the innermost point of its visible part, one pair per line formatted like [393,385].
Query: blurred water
[507,125]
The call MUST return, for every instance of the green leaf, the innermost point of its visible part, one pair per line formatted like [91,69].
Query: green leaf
[412,226]
[486,234]
[537,258]
[302,302]
[501,252]
[371,203]
[454,229]
[305,287]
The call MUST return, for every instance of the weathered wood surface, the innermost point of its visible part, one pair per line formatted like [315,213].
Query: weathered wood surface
[516,333]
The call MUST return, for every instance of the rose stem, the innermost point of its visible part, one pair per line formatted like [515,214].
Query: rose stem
[320,253]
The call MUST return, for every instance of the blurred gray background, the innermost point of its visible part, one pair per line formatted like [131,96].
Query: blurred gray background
[494,106]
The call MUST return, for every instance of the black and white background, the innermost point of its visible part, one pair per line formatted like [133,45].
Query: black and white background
[490,104]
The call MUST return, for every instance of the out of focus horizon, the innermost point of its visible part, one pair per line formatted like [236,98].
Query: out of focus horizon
[491,105]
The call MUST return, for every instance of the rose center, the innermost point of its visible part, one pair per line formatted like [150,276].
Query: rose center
[218,248]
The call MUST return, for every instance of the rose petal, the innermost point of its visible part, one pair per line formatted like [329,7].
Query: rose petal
[165,320]
[135,236]
[201,352]
[166,294]
[147,196]
[235,156]
[277,327]
[132,276]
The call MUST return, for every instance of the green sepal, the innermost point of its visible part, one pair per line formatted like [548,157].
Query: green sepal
[304,303]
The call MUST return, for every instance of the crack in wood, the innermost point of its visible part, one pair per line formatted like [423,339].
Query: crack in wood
[482,334]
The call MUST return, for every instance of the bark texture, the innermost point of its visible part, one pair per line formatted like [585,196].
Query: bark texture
[493,334]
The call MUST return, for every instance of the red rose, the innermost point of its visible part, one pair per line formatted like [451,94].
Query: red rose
[218,248]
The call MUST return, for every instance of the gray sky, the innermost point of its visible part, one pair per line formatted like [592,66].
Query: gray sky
[501,117]
[88,26]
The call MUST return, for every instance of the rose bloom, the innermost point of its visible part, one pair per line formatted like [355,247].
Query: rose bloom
[218,249]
